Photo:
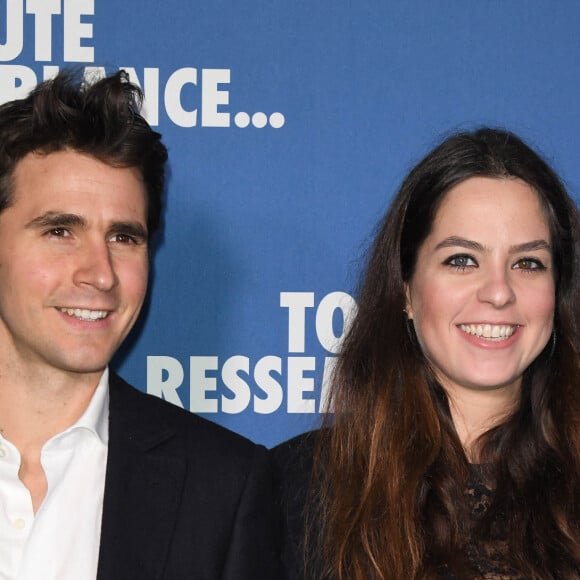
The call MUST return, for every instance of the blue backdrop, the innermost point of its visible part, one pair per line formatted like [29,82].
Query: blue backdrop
[290,125]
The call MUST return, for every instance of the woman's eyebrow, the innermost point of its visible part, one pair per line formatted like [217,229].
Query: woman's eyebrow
[461,242]
[531,246]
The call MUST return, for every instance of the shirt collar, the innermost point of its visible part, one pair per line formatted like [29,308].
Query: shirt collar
[96,415]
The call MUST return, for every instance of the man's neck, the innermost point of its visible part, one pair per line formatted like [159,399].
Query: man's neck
[36,406]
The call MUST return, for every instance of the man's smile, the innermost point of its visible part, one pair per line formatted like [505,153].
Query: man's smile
[85,314]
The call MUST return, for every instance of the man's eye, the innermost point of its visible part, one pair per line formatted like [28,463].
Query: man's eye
[460,262]
[58,232]
[125,239]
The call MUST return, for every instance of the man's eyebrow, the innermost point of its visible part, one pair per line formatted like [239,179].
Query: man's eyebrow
[57,219]
[52,219]
[135,229]
[531,246]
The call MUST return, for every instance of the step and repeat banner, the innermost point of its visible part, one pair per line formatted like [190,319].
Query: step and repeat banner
[290,125]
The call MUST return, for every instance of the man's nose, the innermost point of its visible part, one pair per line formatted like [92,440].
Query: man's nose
[95,266]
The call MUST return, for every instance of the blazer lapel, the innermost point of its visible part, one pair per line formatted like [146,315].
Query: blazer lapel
[143,490]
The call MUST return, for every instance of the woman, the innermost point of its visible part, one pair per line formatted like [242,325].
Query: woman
[454,446]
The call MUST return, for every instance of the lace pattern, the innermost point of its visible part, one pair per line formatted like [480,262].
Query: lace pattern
[488,557]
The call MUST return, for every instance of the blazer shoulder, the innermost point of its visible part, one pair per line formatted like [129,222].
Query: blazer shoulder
[176,481]
[145,413]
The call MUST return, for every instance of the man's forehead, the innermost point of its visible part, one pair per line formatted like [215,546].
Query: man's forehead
[67,176]
[62,159]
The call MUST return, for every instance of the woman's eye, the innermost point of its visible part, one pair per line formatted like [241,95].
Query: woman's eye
[460,262]
[529,264]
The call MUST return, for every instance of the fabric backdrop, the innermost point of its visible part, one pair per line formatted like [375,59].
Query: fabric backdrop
[290,125]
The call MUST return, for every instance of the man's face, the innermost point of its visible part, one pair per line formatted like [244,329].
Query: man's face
[73,263]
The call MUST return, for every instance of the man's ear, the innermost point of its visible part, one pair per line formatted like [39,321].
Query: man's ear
[408,307]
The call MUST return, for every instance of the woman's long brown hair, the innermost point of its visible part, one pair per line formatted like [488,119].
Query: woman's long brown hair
[388,495]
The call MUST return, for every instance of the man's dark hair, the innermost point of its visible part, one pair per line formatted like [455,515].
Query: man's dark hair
[99,118]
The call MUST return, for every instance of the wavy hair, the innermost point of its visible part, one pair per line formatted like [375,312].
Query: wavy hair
[99,118]
[388,496]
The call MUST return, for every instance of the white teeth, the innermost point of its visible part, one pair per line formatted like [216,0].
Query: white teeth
[491,331]
[84,314]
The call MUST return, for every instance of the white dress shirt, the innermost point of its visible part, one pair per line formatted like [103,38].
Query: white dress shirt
[61,541]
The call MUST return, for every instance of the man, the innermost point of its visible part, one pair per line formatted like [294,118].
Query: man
[96,478]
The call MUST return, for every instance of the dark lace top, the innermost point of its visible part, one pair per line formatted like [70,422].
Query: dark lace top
[488,557]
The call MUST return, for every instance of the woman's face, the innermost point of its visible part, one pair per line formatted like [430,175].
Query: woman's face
[482,294]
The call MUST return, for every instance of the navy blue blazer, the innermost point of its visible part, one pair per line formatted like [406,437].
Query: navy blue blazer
[184,498]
